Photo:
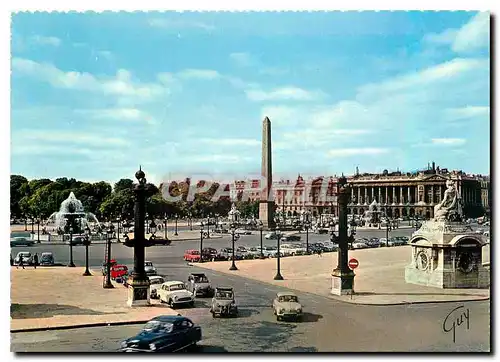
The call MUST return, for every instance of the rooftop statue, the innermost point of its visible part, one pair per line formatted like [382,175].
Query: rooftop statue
[450,208]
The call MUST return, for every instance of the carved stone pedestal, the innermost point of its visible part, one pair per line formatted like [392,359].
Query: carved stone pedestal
[138,293]
[342,282]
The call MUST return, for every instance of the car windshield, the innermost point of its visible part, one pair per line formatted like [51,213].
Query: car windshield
[288,298]
[179,286]
[194,252]
[158,327]
[223,294]
[200,279]
[148,263]
[156,281]
[47,256]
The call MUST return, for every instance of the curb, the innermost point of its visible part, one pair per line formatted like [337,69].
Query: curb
[77,326]
[336,298]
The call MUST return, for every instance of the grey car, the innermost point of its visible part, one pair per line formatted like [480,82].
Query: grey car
[223,303]
[199,285]
[149,268]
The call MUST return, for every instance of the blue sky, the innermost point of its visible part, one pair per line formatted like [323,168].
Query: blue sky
[95,95]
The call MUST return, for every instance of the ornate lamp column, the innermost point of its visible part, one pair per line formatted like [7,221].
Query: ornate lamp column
[201,242]
[342,276]
[87,244]
[138,290]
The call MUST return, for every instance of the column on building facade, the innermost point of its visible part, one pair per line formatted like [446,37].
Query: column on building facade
[366,195]
[393,194]
[409,194]
[387,194]
[401,199]
[379,194]
[432,194]
[373,193]
[352,194]
[359,195]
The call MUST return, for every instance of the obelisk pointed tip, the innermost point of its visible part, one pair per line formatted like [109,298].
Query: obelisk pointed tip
[266,119]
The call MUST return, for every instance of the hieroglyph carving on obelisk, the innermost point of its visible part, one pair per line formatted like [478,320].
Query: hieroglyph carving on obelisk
[266,207]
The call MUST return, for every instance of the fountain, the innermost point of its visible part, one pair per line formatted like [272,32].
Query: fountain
[72,206]
[374,214]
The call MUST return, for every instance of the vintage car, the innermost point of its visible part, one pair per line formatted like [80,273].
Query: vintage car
[164,334]
[78,240]
[174,293]
[209,254]
[149,268]
[27,258]
[21,241]
[118,271]
[199,285]
[223,303]
[192,255]
[271,235]
[47,258]
[291,238]
[155,281]
[286,305]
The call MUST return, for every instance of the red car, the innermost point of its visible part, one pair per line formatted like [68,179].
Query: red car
[192,255]
[118,271]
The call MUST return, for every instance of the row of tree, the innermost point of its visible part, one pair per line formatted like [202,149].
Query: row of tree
[39,198]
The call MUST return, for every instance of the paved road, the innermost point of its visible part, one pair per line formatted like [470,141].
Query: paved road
[329,325]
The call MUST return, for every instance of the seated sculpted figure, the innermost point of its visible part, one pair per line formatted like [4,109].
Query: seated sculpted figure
[449,204]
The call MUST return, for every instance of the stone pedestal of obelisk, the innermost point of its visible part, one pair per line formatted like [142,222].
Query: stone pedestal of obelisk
[266,206]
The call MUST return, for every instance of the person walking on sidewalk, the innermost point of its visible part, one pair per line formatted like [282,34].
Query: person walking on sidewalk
[35,260]
[11,260]
[319,252]
[21,262]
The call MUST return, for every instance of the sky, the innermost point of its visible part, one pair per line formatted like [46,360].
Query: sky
[95,95]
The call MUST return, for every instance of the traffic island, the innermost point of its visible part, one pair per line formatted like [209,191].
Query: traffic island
[379,280]
[61,298]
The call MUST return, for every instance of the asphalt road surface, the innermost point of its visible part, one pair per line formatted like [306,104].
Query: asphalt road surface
[328,325]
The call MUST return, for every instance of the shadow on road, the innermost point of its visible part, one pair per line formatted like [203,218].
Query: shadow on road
[209,348]
[246,312]
[20,311]
[303,349]
[310,317]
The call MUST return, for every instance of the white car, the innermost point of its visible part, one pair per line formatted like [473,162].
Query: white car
[291,249]
[174,293]
[359,245]
[149,268]
[155,281]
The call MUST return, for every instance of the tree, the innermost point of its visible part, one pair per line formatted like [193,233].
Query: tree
[17,191]
[123,184]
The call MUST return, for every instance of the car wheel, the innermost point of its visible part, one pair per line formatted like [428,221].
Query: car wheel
[278,318]
[192,304]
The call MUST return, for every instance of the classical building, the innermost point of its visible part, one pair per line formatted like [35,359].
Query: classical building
[409,194]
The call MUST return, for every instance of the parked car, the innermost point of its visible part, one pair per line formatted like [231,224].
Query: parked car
[242,232]
[383,242]
[118,271]
[154,282]
[192,255]
[271,251]
[164,334]
[78,240]
[174,293]
[199,285]
[223,303]
[149,268]
[330,246]
[286,305]
[373,243]
[21,241]
[209,254]
[47,258]
[359,245]
[27,258]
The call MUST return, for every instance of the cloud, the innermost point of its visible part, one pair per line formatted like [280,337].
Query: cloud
[179,24]
[46,40]
[348,152]
[220,158]
[242,59]
[474,35]
[54,137]
[448,141]
[207,74]
[456,114]
[284,93]
[121,85]
[119,114]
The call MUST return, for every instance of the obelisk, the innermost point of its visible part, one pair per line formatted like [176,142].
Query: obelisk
[266,206]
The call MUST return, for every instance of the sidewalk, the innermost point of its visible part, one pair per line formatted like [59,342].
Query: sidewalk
[61,297]
[379,278]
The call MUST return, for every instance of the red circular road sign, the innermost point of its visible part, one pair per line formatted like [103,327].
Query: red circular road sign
[353,263]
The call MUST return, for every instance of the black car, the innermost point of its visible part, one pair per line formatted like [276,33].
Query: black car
[292,238]
[78,240]
[210,254]
[164,334]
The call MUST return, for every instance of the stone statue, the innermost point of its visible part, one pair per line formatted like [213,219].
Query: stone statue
[450,208]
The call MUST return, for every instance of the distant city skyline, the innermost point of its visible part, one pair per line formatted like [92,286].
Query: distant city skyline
[96,95]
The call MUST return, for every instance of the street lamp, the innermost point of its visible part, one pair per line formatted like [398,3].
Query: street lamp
[109,234]
[38,230]
[165,225]
[86,242]
[118,228]
[307,223]
[261,227]
[352,231]
[190,221]
[233,230]
[70,219]
[208,226]
[278,275]
[152,229]
[176,218]
[201,242]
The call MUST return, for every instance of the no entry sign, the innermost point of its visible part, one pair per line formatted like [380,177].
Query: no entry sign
[353,263]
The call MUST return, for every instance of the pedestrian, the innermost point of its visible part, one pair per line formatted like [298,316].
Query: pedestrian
[319,252]
[21,260]
[11,260]
[35,260]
